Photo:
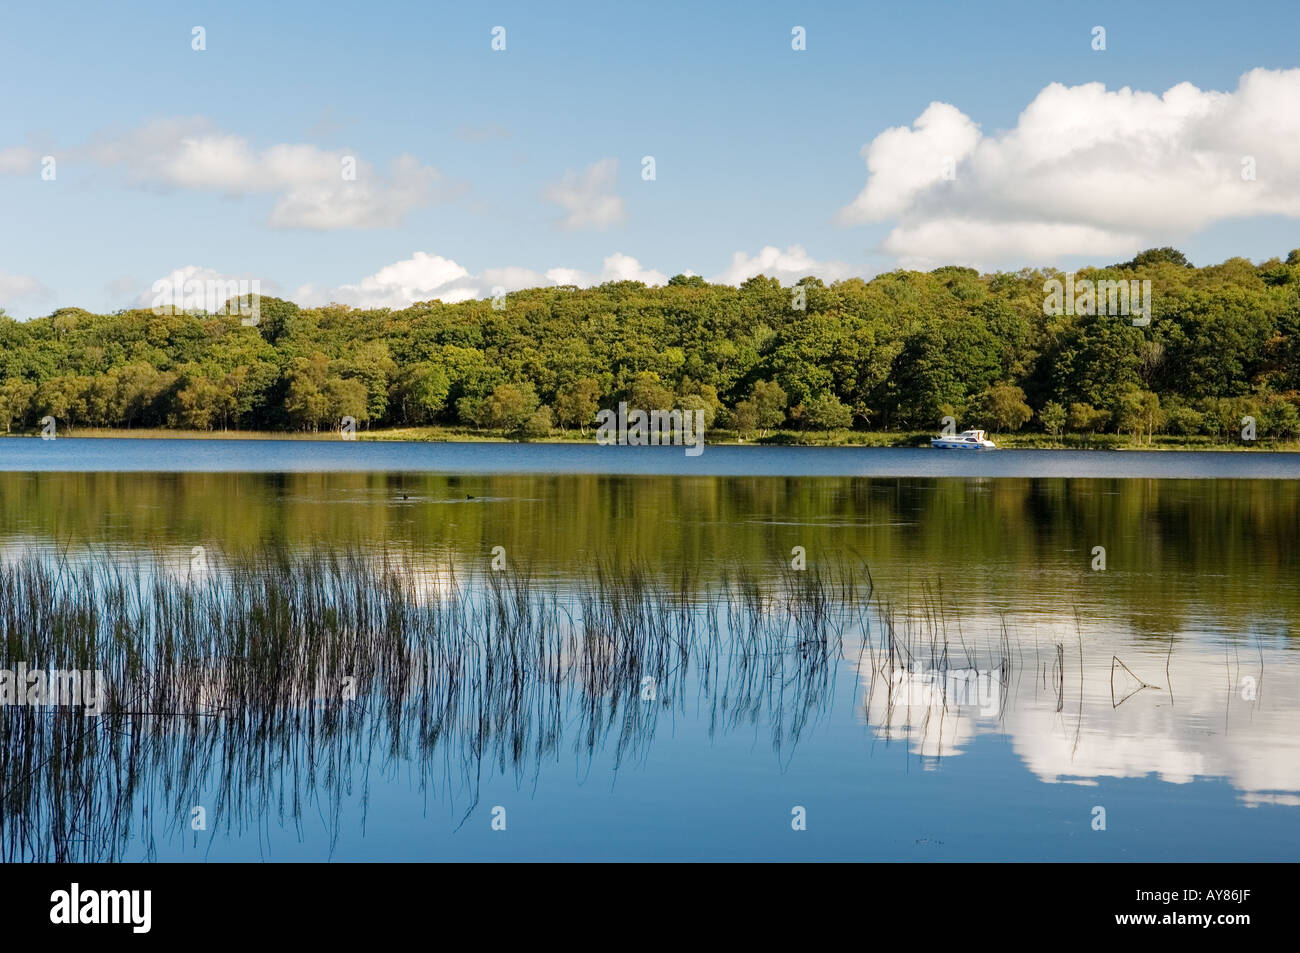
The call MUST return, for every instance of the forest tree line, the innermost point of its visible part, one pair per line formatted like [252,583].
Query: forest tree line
[897,352]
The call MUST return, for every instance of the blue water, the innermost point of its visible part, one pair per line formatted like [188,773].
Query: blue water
[1203,763]
[730,798]
[168,455]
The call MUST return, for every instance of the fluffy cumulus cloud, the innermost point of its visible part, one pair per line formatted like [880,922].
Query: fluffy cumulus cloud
[191,286]
[313,188]
[418,278]
[588,197]
[617,267]
[1085,170]
[423,277]
[789,266]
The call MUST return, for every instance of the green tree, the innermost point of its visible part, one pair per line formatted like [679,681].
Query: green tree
[1098,362]
[538,423]
[371,363]
[1053,418]
[509,407]
[695,402]
[827,412]
[421,391]
[744,418]
[345,397]
[1155,256]
[770,404]
[1182,419]
[896,351]
[945,361]
[647,393]
[1280,417]
[1084,418]
[1138,412]
[15,401]
[305,400]
[577,402]
[197,403]
[1003,405]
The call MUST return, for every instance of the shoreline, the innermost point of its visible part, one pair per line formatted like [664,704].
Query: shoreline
[875,440]
[72,454]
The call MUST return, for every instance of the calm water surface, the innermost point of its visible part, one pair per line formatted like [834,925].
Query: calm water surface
[1164,688]
[295,456]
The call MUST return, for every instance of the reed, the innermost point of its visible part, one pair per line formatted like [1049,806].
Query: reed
[277,680]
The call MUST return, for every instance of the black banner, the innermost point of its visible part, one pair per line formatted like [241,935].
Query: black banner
[136,903]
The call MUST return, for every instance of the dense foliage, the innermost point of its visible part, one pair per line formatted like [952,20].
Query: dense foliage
[896,352]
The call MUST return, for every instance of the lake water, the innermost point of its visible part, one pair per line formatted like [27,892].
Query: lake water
[1029,693]
[299,456]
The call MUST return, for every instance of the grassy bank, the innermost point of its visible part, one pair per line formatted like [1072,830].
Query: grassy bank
[801,438]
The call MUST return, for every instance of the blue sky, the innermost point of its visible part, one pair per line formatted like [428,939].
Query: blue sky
[756,145]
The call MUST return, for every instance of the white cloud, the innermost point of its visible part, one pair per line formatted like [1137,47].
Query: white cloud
[375,202]
[588,197]
[620,267]
[180,284]
[424,277]
[903,163]
[789,266]
[569,276]
[308,182]
[1148,732]
[418,278]
[18,287]
[124,288]
[948,241]
[1085,171]
[512,278]
[617,267]
[18,159]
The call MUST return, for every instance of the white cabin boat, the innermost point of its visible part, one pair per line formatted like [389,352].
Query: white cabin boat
[966,440]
